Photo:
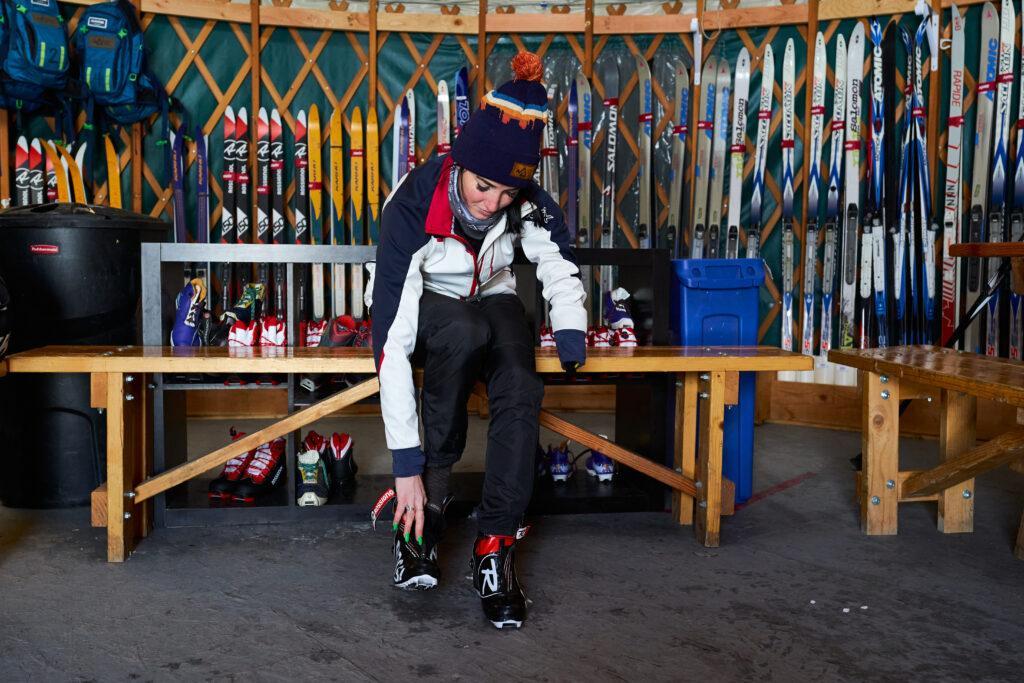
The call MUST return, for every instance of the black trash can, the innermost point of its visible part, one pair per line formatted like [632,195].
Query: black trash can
[73,272]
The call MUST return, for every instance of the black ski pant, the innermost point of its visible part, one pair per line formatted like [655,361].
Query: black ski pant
[458,343]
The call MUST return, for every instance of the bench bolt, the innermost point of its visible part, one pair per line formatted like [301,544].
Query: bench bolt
[129,494]
[127,515]
[890,484]
[704,394]
[875,500]
[884,379]
[129,397]
[885,395]
[698,484]
[967,494]
[128,379]
[704,377]
[703,504]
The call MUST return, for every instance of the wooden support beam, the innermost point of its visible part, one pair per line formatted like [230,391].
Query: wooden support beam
[732,388]
[956,436]
[711,393]
[588,42]
[136,159]
[186,471]
[685,442]
[5,158]
[371,51]
[900,481]
[1000,450]
[98,506]
[481,53]
[880,434]
[98,390]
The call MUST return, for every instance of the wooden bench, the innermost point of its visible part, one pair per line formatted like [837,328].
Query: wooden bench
[956,379]
[119,380]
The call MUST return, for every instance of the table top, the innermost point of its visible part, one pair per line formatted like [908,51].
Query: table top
[195,359]
[998,379]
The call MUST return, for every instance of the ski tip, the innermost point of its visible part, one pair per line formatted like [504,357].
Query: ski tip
[357,115]
[275,116]
[744,57]
[22,141]
[229,113]
[37,145]
[442,89]
[242,116]
[314,112]
[263,115]
[301,118]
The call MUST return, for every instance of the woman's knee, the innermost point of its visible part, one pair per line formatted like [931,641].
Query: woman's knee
[463,331]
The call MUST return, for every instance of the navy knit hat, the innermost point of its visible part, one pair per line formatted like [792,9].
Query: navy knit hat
[501,140]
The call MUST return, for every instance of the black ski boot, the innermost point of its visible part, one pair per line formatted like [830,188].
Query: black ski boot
[495,579]
[415,564]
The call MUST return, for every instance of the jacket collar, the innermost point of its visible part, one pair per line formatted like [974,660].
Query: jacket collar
[439,216]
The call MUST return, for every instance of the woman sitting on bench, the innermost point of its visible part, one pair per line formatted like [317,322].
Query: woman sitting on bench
[443,292]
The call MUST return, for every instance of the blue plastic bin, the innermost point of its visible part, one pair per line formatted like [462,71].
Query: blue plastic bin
[714,302]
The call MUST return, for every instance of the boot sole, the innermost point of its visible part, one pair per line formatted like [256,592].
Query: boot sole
[310,500]
[509,622]
[422,582]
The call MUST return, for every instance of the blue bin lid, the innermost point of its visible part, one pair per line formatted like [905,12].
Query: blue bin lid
[739,273]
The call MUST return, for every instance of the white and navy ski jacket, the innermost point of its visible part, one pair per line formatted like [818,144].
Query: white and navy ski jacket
[419,250]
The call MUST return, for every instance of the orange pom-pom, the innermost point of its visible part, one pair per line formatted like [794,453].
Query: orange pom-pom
[527,66]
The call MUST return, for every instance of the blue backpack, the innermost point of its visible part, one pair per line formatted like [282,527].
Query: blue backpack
[34,57]
[113,67]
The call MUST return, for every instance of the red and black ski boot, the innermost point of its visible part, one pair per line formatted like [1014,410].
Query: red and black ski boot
[341,459]
[223,487]
[416,565]
[263,473]
[495,579]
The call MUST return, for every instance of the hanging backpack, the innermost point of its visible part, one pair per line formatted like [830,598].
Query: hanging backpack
[113,68]
[34,57]
[116,81]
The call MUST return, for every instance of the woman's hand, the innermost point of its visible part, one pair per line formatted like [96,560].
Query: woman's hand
[410,501]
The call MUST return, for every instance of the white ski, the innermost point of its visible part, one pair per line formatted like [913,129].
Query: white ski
[1017,226]
[953,196]
[444,119]
[723,86]
[737,152]
[705,136]
[813,195]
[681,113]
[645,227]
[549,150]
[788,179]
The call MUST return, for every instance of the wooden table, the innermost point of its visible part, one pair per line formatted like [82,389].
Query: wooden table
[956,379]
[706,376]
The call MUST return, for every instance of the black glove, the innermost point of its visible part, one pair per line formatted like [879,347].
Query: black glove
[572,349]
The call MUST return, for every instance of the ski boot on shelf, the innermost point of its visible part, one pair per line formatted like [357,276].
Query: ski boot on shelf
[340,457]
[313,485]
[416,559]
[189,304]
[263,472]
[600,465]
[560,463]
[496,581]
[547,338]
[341,332]
[620,322]
[223,487]
[598,337]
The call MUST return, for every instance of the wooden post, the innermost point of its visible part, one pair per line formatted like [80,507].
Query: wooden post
[711,393]
[880,436]
[256,74]
[5,158]
[588,38]
[956,436]
[119,536]
[481,52]
[685,442]
[372,53]
[136,153]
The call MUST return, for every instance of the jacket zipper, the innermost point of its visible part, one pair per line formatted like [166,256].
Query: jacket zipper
[476,265]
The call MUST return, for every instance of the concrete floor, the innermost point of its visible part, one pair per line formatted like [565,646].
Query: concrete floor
[613,596]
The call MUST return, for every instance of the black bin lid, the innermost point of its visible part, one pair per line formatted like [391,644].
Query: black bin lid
[65,215]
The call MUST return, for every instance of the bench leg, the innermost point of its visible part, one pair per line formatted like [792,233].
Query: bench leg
[880,436]
[956,436]
[709,493]
[686,443]
[124,435]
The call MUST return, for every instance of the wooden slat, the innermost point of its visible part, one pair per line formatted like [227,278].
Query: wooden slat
[299,17]
[1000,450]
[880,447]
[751,17]
[709,497]
[411,22]
[97,390]
[900,480]
[987,249]
[993,378]
[956,437]
[153,359]
[293,422]
[118,483]
[627,24]
[536,23]
[849,9]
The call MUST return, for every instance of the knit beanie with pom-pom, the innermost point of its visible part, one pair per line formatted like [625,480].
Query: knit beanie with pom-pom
[501,140]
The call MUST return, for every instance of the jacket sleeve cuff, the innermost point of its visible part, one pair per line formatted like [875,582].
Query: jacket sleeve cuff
[407,462]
